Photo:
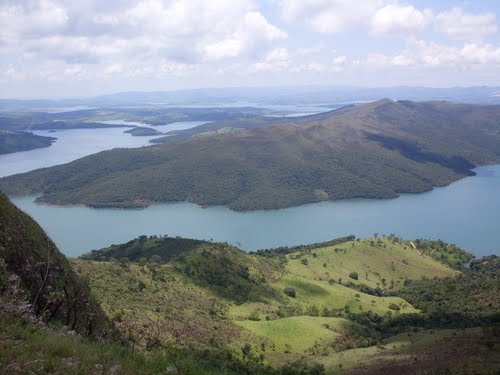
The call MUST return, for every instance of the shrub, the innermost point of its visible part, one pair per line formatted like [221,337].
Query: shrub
[354,275]
[254,316]
[395,307]
[290,292]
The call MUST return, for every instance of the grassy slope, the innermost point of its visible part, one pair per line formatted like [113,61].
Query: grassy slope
[295,334]
[382,260]
[322,295]
[375,151]
[183,290]
[26,348]
[373,260]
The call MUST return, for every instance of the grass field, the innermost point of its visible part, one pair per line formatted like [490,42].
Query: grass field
[296,334]
[322,295]
[374,260]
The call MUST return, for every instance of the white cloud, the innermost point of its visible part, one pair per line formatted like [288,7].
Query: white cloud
[311,50]
[329,16]
[250,37]
[481,53]
[183,31]
[278,54]
[399,20]
[113,69]
[339,63]
[18,20]
[402,60]
[434,55]
[276,60]
[112,44]
[458,24]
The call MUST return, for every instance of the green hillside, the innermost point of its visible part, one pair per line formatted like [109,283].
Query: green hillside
[278,306]
[377,150]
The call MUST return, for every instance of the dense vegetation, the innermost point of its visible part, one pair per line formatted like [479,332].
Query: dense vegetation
[22,141]
[143,132]
[376,150]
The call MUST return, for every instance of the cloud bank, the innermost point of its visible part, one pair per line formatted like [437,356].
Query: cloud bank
[63,47]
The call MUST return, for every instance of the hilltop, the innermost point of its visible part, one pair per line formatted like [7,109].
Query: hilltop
[377,150]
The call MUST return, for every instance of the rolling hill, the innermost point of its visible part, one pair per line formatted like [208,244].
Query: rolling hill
[338,305]
[377,150]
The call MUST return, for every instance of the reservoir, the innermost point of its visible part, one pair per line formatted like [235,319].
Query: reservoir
[466,213]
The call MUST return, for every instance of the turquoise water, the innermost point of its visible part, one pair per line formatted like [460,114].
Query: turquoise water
[466,212]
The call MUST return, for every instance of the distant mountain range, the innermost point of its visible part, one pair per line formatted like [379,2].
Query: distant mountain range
[375,150]
[300,95]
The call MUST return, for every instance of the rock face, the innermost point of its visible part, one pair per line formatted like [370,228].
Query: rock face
[32,270]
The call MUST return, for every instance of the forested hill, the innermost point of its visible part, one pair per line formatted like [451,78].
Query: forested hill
[377,150]
[22,141]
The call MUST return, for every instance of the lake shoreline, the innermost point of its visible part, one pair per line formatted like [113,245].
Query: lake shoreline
[465,213]
[145,203]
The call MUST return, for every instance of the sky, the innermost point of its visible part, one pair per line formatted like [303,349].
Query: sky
[68,48]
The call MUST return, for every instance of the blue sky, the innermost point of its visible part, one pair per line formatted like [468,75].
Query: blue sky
[66,48]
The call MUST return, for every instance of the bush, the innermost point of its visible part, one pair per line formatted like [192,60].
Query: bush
[254,316]
[353,275]
[290,292]
[395,307]
[304,261]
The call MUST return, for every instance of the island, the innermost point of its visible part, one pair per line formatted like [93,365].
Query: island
[143,132]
